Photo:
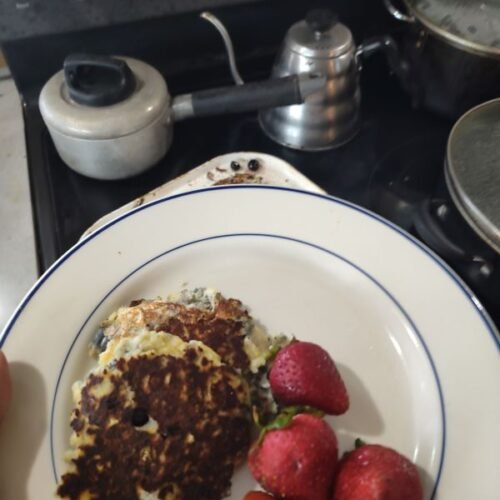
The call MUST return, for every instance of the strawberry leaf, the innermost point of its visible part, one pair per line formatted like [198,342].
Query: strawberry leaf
[285,417]
[278,343]
[280,422]
[358,443]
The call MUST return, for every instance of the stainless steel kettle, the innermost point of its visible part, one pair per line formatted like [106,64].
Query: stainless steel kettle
[330,117]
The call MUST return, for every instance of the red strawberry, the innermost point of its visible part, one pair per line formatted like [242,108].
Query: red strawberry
[303,373]
[257,495]
[297,461]
[374,472]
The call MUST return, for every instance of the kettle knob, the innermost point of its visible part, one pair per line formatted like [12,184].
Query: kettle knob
[321,20]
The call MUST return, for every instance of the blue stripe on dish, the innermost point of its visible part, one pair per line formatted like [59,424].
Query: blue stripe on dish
[280,237]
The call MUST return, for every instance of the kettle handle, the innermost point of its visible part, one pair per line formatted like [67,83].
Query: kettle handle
[396,62]
[397,14]
[248,97]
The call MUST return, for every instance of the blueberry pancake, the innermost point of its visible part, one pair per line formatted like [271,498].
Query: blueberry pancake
[203,314]
[159,418]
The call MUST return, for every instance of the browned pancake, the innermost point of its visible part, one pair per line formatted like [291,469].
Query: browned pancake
[171,426]
[220,323]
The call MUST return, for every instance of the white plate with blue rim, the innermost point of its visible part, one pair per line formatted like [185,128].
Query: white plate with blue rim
[419,355]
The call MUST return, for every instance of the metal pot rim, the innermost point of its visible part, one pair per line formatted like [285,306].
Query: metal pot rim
[454,40]
[472,212]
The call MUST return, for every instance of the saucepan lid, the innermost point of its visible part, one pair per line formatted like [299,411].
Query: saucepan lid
[102,97]
[473,169]
[473,25]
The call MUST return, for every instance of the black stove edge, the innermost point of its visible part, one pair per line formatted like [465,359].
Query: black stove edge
[44,218]
[177,44]
[60,16]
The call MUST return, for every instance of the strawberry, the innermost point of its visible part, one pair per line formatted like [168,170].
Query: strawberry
[303,373]
[257,495]
[374,472]
[297,461]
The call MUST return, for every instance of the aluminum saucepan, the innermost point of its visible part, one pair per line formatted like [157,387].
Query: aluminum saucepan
[112,117]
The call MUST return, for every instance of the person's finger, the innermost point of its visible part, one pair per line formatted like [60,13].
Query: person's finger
[5,388]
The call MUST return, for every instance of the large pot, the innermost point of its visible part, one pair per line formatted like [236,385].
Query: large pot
[454,50]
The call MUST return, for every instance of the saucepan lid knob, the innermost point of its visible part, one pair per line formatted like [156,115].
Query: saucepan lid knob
[98,80]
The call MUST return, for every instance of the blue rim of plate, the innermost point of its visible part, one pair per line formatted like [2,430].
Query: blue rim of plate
[477,306]
[358,268]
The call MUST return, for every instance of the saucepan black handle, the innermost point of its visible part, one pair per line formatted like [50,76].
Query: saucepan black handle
[431,233]
[248,97]
[477,262]
[96,80]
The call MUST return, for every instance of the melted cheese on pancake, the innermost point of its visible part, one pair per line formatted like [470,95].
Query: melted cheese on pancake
[152,342]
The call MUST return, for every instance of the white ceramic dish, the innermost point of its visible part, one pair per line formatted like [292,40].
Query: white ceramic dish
[272,171]
[418,353]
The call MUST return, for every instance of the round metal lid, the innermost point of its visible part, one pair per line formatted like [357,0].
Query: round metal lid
[320,35]
[474,25]
[147,102]
[473,169]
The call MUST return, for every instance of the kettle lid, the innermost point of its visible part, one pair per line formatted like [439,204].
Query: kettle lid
[320,35]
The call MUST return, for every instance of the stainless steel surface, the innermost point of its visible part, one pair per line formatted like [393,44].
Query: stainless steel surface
[182,107]
[472,169]
[334,41]
[228,44]
[328,118]
[118,158]
[310,83]
[398,14]
[473,25]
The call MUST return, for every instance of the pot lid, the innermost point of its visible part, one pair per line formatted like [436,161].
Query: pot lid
[472,24]
[473,169]
[103,97]
[320,35]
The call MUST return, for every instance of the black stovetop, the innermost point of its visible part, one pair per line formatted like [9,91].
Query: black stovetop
[394,166]
[393,136]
